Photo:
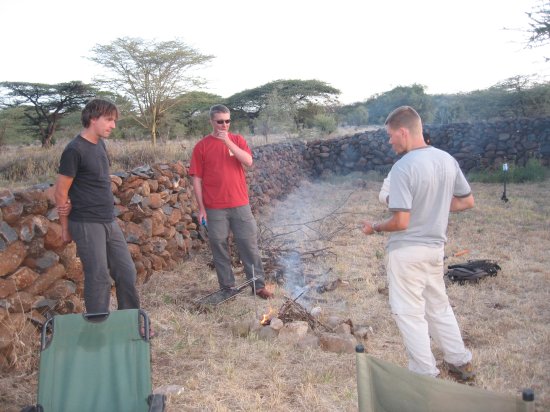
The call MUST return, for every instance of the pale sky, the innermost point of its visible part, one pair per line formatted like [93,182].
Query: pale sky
[360,47]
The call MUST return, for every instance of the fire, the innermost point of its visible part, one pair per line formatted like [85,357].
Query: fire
[266,317]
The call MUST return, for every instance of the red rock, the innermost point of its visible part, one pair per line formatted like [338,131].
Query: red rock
[23,277]
[53,239]
[12,212]
[7,287]
[45,280]
[12,257]
[20,302]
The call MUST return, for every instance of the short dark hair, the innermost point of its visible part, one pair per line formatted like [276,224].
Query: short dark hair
[96,108]
[218,108]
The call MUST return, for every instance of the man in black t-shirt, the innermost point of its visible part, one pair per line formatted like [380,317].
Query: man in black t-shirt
[84,178]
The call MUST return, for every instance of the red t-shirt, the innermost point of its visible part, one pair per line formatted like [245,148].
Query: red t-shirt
[223,179]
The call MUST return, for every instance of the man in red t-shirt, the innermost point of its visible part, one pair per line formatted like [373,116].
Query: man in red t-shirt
[222,195]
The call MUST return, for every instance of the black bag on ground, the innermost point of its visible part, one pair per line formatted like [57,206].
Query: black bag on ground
[472,271]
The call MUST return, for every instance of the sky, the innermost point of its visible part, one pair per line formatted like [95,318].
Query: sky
[361,47]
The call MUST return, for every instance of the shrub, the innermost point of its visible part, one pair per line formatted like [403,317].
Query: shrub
[533,171]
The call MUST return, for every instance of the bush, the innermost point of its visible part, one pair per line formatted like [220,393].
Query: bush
[533,171]
[325,123]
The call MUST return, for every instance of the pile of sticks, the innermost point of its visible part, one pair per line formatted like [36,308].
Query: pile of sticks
[291,311]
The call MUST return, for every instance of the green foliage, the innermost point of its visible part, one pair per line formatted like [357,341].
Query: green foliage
[276,117]
[325,123]
[354,115]
[191,113]
[248,104]
[150,75]
[379,106]
[533,171]
[45,105]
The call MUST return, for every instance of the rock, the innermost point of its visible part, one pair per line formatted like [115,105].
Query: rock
[46,279]
[343,329]
[23,277]
[60,289]
[333,321]
[7,287]
[12,257]
[20,302]
[332,342]
[267,333]
[6,197]
[53,239]
[276,323]
[362,332]
[308,341]
[12,212]
[7,233]
[293,331]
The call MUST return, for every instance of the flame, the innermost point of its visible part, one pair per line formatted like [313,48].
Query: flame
[266,317]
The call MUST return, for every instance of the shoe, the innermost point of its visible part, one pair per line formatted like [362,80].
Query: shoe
[264,293]
[463,372]
[229,293]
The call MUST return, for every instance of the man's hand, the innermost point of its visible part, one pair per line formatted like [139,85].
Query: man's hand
[202,217]
[222,135]
[65,209]
[368,228]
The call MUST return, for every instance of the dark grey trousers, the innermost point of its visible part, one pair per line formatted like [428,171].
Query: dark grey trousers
[241,222]
[104,254]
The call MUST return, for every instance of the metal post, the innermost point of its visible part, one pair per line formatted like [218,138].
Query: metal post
[254,291]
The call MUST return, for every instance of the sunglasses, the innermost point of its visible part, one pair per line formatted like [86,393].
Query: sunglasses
[223,121]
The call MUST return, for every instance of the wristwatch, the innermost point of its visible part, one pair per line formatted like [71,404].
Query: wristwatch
[376,227]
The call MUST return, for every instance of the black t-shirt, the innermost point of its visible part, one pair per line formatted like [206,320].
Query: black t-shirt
[90,193]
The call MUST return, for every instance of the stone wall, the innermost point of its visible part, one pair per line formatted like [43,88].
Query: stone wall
[155,208]
[479,145]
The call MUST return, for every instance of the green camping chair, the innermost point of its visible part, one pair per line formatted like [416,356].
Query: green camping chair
[97,362]
[384,387]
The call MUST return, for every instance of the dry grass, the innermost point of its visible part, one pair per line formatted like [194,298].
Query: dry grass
[504,319]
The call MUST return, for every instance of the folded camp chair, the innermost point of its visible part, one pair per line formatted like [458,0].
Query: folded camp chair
[96,363]
[384,387]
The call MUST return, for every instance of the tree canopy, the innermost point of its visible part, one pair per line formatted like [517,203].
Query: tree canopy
[295,92]
[151,75]
[44,104]
[379,106]
[539,23]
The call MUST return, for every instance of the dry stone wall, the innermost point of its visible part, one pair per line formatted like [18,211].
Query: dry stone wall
[474,145]
[154,206]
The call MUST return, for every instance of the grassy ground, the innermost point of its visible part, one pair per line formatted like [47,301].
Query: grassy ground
[504,319]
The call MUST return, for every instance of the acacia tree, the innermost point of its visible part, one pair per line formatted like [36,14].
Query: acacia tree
[539,23]
[152,75]
[297,93]
[46,104]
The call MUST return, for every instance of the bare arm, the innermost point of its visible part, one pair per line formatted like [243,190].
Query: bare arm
[462,203]
[242,155]
[197,188]
[61,194]
[397,222]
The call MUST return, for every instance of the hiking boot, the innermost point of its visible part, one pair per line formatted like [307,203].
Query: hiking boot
[463,372]
[264,293]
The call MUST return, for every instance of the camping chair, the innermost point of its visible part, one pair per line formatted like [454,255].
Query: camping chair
[384,387]
[97,362]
